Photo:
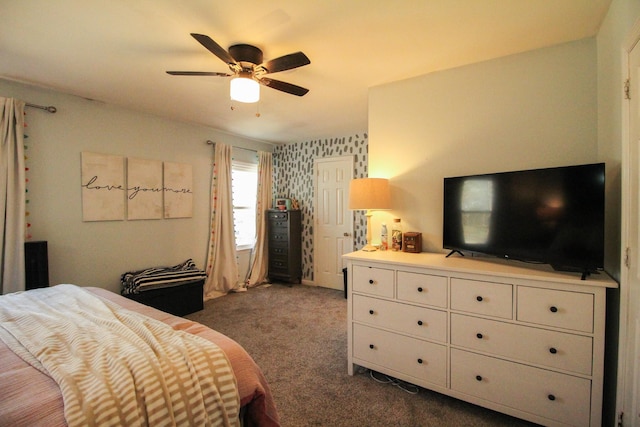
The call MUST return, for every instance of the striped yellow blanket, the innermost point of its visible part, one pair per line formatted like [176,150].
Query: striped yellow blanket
[116,367]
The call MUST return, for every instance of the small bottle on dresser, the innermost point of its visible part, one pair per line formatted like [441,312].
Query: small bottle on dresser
[396,235]
[384,240]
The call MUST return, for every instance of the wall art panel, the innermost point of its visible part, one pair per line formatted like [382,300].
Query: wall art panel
[144,189]
[103,187]
[178,190]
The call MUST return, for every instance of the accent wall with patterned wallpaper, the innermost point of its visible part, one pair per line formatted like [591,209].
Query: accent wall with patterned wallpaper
[293,172]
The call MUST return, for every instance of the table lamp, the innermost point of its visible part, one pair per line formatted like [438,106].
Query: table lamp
[369,194]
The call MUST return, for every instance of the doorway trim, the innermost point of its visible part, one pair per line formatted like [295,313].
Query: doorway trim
[623,386]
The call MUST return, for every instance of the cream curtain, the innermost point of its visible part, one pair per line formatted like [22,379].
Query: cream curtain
[12,196]
[222,267]
[259,262]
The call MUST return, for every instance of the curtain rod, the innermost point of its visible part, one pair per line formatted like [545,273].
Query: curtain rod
[210,142]
[50,108]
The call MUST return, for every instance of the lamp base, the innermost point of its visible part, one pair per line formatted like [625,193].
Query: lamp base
[369,247]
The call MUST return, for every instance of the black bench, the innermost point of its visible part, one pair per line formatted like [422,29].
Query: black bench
[177,290]
[178,300]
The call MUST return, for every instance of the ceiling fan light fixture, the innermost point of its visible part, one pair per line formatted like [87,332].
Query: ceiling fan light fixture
[248,69]
[244,89]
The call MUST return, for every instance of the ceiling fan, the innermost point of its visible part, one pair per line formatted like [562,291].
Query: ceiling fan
[247,67]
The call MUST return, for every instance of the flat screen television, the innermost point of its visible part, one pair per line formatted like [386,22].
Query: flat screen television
[551,216]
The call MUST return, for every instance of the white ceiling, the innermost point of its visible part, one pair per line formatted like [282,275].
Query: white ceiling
[117,51]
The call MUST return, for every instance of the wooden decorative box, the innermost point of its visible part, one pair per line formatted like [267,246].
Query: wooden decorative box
[412,242]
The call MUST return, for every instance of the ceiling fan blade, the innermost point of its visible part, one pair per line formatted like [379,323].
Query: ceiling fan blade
[283,86]
[198,73]
[287,62]
[214,48]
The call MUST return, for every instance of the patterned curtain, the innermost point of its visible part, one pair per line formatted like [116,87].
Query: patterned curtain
[222,267]
[259,262]
[12,196]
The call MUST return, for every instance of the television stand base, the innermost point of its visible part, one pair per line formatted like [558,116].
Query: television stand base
[584,273]
[453,252]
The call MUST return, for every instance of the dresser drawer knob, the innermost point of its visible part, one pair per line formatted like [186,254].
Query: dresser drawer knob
[479,335]
[478,378]
[420,361]
[419,322]
[371,312]
[551,397]
[553,350]
[371,346]
[371,281]
[420,289]
[479,298]
[553,309]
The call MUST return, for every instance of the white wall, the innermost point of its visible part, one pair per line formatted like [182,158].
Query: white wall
[531,110]
[96,253]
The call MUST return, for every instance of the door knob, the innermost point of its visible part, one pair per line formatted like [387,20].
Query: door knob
[346,234]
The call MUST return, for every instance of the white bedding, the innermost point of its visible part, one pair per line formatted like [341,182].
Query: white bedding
[149,373]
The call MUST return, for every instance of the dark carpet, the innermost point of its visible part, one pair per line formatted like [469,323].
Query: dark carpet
[298,336]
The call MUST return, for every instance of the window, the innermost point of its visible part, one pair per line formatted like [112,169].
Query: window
[244,185]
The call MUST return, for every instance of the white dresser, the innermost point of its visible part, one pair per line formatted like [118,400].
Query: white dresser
[516,338]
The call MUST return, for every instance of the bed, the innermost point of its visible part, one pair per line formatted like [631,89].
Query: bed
[29,397]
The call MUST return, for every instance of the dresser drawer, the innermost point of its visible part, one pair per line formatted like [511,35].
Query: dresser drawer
[562,309]
[559,397]
[281,250]
[373,281]
[409,319]
[422,288]
[549,348]
[279,238]
[278,216]
[488,298]
[278,228]
[278,266]
[420,359]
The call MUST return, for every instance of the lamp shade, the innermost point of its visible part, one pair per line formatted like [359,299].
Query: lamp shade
[244,89]
[369,193]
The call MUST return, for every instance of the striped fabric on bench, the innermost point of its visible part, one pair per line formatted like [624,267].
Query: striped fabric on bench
[134,282]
